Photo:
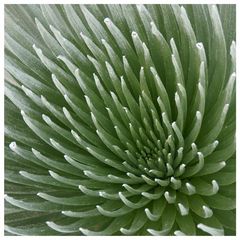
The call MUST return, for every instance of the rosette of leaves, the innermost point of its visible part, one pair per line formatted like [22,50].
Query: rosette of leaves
[120,120]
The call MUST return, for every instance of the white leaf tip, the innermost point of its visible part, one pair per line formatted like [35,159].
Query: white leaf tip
[13,145]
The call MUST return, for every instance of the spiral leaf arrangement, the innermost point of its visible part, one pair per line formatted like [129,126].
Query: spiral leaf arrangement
[120,120]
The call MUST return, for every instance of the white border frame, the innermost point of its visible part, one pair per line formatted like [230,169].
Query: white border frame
[3,2]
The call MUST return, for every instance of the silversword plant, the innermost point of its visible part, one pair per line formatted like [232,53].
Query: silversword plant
[120,120]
